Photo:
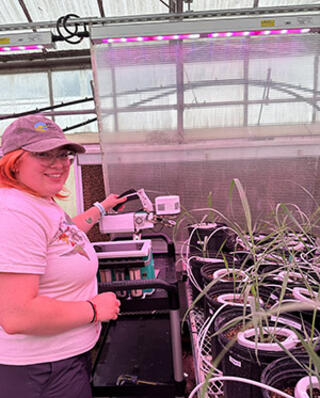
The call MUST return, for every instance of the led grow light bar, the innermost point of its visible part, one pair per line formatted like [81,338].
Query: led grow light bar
[212,35]
[26,41]
[263,25]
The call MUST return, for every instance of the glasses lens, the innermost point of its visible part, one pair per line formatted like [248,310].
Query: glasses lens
[48,158]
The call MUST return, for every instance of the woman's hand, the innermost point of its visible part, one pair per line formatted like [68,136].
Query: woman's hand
[107,306]
[112,200]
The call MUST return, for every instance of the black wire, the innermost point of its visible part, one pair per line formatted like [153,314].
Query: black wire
[76,25]
[74,34]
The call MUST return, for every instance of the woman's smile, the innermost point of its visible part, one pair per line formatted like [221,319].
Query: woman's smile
[44,172]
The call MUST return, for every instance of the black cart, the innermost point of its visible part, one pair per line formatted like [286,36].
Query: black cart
[140,354]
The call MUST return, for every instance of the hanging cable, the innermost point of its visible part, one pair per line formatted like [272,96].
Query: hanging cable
[72,36]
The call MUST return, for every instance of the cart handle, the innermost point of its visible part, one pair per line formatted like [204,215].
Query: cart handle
[172,290]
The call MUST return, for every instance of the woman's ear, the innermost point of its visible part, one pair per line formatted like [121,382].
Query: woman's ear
[16,166]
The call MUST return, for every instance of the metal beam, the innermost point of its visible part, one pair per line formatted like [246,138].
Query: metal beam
[101,9]
[25,11]
[260,11]
[53,59]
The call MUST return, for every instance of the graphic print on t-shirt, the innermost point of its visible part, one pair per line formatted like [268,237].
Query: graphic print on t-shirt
[71,235]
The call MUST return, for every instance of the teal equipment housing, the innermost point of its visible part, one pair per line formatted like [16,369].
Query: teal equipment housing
[126,260]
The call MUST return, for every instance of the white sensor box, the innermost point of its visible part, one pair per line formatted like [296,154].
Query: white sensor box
[167,205]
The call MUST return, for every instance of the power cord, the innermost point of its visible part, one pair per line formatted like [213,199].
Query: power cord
[72,36]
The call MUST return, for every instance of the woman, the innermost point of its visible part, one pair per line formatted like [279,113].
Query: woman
[50,312]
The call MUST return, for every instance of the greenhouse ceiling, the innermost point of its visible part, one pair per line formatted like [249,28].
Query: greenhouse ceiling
[37,15]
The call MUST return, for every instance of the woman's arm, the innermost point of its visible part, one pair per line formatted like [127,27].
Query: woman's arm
[23,311]
[86,220]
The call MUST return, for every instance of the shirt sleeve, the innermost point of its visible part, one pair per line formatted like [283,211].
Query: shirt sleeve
[23,243]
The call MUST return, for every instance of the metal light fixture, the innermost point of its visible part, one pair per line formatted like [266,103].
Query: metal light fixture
[218,27]
[26,41]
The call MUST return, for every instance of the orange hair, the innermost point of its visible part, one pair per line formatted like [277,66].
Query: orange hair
[8,179]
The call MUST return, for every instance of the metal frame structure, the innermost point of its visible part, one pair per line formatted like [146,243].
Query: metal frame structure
[306,15]
[226,13]
[267,21]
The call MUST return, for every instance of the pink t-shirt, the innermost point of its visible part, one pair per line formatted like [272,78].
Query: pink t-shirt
[37,237]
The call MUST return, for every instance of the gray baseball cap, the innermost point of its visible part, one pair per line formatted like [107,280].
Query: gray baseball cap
[35,133]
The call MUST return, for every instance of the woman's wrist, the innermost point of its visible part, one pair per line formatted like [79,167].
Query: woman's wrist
[94,311]
[101,209]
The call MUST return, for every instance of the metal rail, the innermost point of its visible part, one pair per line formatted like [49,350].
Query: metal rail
[260,11]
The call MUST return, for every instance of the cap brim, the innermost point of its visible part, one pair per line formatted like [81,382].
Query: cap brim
[48,145]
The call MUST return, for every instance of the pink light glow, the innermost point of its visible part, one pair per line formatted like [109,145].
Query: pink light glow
[197,35]
[20,48]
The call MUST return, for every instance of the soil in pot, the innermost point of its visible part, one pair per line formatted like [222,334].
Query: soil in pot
[243,362]
[268,297]
[213,302]
[207,271]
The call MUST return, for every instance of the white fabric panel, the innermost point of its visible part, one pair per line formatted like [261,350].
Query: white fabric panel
[188,118]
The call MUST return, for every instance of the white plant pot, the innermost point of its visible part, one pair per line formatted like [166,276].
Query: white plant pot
[301,389]
[289,343]
[229,297]
[223,272]
[303,295]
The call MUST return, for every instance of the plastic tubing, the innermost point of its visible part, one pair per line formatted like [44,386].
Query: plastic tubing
[191,276]
[203,333]
[241,380]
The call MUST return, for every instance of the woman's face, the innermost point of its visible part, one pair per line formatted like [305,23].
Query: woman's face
[44,172]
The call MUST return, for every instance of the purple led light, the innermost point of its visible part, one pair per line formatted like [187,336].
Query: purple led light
[237,34]
[196,36]
[21,48]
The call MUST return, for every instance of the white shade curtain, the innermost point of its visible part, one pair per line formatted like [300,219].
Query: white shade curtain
[172,113]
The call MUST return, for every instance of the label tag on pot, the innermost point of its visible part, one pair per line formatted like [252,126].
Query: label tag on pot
[234,361]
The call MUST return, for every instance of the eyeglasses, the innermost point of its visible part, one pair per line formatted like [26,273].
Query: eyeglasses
[48,158]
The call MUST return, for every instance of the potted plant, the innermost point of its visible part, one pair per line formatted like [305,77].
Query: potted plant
[297,377]
[286,242]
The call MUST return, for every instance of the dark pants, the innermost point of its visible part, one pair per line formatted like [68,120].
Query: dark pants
[68,378]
